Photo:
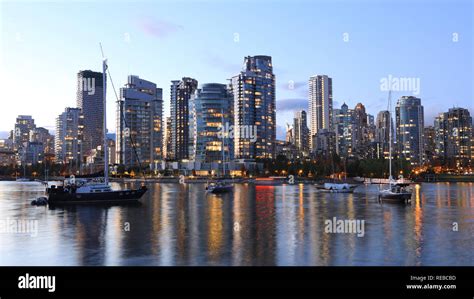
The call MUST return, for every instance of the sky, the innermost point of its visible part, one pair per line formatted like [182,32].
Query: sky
[43,44]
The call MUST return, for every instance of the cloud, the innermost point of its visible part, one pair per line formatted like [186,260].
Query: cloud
[285,105]
[217,62]
[158,28]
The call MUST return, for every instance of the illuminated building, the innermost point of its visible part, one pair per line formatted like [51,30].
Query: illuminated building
[409,129]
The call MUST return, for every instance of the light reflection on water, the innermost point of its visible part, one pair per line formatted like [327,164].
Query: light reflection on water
[255,225]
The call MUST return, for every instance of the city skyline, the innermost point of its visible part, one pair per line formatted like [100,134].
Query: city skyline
[292,65]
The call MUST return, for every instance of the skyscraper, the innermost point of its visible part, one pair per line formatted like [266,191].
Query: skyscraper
[343,121]
[301,133]
[90,100]
[210,116]
[69,136]
[290,134]
[410,124]
[139,123]
[181,91]
[254,109]
[371,128]
[21,134]
[167,148]
[453,131]
[382,133]
[429,141]
[360,131]
[320,103]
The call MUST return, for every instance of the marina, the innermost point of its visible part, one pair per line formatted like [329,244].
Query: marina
[181,224]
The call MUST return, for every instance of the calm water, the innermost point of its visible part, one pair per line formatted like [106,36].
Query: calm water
[283,225]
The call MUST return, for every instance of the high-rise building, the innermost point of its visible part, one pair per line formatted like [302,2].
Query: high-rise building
[301,133]
[181,91]
[324,142]
[167,148]
[90,100]
[360,131]
[383,125]
[371,128]
[7,155]
[69,136]
[210,121]
[290,134]
[139,123]
[42,136]
[409,129]
[429,141]
[453,131]
[343,121]
[111,154]
[254,109]
[320,103]
[34,153]
[21,134]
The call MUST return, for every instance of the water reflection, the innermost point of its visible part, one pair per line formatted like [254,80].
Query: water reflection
[255,225]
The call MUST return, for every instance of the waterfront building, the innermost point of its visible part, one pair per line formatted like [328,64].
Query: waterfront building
[112,148]
[324,142]
[409,129]
[453,131]
[253,92]
[180,93]
[69,137]
[139,123]
[371,128]
[7,154]
[290,134]
[34,153]
[320,103]
[301,133]
[167,145]
[382,133]
[343,122]
[42,136]
[360,131]
[21,133]
[90,100]
[286,149]
[429,141]
[210,122]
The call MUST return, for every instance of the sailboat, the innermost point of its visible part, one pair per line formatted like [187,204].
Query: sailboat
[395,191]
[221,186]
[336,187]
[97,190]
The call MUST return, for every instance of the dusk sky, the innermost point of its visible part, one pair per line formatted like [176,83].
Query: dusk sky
[357,43]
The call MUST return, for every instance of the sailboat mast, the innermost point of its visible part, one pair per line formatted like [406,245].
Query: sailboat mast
[223,142]
[106,158]
[390,136]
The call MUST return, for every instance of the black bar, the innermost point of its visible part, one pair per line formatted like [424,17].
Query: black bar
[243,282]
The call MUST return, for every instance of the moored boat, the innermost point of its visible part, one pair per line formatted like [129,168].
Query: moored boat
[219,187]
[337,187]
[395,191]
[97,190]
